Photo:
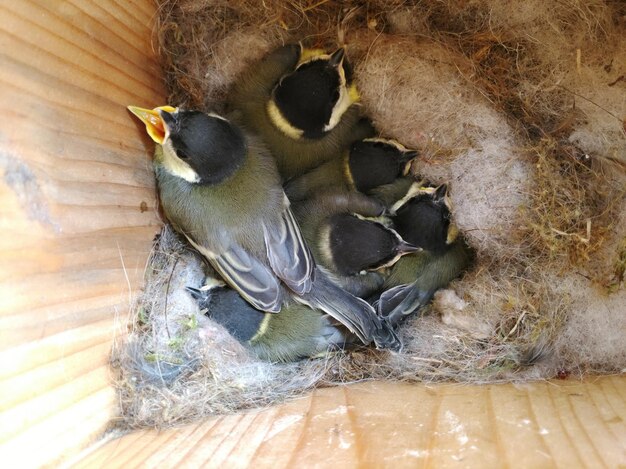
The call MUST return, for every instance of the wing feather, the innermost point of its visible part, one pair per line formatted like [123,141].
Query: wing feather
[288,254]
[250,277]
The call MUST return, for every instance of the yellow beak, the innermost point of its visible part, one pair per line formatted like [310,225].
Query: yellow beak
[155,126]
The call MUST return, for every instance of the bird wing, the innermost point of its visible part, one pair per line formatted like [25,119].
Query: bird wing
[254,280]
[288,253]
[401,301]
[250,277]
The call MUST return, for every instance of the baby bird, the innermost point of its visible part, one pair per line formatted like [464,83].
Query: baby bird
[298,332]
[303,106]
[368,164]
[422,218]
[389,194]
[349,237]
[220,189]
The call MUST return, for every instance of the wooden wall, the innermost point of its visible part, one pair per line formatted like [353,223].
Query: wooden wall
[77,212]
[563,424]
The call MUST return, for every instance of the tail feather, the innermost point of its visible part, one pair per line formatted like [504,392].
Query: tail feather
[354,313]
[398,302]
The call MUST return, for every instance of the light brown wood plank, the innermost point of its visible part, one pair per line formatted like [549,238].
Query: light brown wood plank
[141,450]
[457,440]
[146,7]
[551,429]
[238,448]
[51,257]
[419,420]
[514,416]
[60,431]
[58,316]
[182,442]
[24,16]
[120,24]
[604,428]
[74,172]
[92,457]
[19,417]
[134,11]
[53,350]
[399,425]
[83,75]
[94,121]
[329,426]
[573,427]
[39,381]
[287,426]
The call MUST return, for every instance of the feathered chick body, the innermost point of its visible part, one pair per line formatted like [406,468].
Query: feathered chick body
[219,187]
[296,333]
[365,166]
[252,101]
[389,194]
[232,196]
[350,238]
[423,219]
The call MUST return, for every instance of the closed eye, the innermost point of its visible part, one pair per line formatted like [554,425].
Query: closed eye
[181,152]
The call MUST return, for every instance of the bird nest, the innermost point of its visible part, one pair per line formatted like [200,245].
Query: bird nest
[518,106]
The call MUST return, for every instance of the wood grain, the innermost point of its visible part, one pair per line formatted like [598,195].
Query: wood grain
[540,425]
[75,181]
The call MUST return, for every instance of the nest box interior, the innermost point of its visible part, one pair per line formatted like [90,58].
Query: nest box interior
[79,214]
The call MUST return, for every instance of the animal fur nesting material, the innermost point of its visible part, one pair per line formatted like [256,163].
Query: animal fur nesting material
[519,107]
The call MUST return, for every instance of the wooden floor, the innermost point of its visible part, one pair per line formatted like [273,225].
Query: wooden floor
[549,424]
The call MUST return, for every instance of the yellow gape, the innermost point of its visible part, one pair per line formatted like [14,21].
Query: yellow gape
[154,124]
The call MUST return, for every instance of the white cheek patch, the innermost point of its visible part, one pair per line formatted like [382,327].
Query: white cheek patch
[211,283]
[407,168]
[416,188]
[347,97]
[277,118]
[393,143]
[217,116]
[341,106]
[381,220]
[174,165]
[309,55]
[324,246]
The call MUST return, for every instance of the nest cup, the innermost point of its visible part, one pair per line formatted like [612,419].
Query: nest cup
[521,128]
[518,106]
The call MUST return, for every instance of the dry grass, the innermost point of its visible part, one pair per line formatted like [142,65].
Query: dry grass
[573,205]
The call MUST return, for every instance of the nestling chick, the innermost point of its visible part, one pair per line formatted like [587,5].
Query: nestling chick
[220,189]
[348,237]
[423,219]
[368,164]
[390,193]
[296,333]
[302,104]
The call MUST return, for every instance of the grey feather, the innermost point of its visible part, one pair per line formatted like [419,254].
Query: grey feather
[253,280]
[288,254]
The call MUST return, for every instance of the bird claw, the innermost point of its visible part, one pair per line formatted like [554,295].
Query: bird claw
[386,338]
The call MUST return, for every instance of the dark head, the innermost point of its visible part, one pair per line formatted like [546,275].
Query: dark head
[201,148]
[310,101]
[355,245]
[424,220]
[373,162]
[226,307]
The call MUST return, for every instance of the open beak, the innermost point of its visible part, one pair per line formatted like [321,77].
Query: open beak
[155,126]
